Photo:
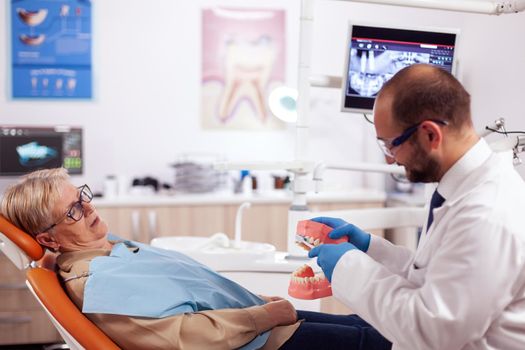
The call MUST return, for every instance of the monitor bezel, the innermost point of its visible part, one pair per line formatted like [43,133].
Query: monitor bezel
[348,48]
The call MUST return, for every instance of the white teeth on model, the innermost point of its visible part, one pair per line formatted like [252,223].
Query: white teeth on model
[312,240]
[306,280]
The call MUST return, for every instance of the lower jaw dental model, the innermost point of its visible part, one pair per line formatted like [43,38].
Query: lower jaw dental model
[305,284]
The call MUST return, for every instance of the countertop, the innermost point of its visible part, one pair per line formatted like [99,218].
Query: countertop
[274,197]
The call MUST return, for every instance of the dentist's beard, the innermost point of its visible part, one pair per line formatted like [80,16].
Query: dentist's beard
[424,168]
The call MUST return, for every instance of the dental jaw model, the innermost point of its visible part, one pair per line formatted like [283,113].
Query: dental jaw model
[305,284]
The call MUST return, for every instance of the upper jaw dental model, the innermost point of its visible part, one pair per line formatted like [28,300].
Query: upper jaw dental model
[305,284]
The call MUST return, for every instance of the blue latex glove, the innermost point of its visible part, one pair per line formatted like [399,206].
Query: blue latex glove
[356,236]
[328,255]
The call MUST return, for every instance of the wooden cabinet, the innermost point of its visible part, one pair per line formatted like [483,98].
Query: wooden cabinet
[127,222]
[262,222]
[22,319]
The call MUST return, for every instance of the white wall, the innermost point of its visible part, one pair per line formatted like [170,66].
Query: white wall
[147,73]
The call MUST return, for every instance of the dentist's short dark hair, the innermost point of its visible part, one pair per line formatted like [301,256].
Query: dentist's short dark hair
[423,91]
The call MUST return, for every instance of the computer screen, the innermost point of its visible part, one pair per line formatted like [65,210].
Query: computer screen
[375,53]
[24,149]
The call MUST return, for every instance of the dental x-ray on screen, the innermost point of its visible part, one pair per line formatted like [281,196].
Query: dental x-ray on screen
[375,53]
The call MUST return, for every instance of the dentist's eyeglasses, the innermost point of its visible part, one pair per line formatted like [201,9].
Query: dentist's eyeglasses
[76,211]
[387,145]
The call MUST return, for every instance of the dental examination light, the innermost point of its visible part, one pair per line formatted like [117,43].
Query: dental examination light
[283,104]
[283,99]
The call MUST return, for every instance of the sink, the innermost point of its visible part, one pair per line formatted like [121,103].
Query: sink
[218,251]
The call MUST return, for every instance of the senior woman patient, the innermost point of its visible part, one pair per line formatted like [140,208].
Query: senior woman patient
[144,297]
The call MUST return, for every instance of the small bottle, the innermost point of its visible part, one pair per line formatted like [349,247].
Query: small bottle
[246,180]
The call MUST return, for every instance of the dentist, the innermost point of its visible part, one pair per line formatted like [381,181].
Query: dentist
[464,287]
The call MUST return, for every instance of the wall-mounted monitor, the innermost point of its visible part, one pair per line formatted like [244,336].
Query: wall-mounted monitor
[375,53]
[25,148]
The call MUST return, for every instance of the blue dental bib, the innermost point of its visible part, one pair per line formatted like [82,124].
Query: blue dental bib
[157,283]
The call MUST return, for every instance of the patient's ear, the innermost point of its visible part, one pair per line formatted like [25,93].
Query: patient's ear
[48,241]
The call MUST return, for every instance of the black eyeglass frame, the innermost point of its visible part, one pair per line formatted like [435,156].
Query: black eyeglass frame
[387,145]
[85,196]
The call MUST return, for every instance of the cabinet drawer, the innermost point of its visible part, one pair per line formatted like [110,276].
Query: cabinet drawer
[17,297]
[8,272]
[26,327]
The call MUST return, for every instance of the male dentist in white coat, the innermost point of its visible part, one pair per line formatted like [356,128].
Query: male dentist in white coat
[464,287]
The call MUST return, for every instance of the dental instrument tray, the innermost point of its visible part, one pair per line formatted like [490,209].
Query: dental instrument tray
[192,177]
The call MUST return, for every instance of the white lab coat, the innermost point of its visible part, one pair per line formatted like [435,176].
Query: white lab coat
[464,288]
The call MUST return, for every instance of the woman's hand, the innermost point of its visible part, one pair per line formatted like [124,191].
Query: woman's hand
[270,299]
[282,312]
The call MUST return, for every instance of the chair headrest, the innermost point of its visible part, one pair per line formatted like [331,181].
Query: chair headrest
[20,247]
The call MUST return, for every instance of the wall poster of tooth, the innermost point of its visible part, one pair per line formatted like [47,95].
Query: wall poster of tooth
[243,59]
[51,49]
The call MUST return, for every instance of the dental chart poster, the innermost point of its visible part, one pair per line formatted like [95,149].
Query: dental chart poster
[51,49]
[243,59]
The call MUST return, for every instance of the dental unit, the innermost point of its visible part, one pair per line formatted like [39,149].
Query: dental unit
[308,174]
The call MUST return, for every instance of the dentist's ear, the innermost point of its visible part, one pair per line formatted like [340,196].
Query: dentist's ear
[48,241]
[432,133]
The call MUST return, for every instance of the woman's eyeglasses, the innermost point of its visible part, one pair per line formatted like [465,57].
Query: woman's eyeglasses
[76,211]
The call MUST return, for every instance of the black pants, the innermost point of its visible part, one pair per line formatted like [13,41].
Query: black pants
[333,332]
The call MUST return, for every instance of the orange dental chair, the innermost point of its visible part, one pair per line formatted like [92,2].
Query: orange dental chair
[75,328]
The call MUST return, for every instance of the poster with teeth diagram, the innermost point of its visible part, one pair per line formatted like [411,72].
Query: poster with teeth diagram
[51,49]
[243,60]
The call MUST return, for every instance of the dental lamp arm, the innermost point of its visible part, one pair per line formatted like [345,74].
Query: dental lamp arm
[295,165]
[320,168]
[482,7]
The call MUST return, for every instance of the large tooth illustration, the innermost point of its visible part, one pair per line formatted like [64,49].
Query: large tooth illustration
[32,18]
[248,66]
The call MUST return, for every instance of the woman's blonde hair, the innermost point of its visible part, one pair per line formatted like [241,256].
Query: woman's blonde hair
[29,203]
